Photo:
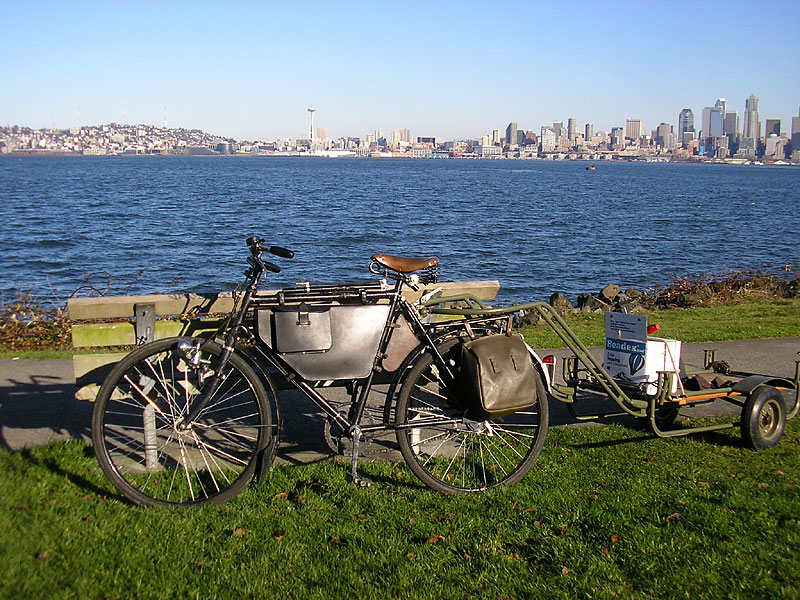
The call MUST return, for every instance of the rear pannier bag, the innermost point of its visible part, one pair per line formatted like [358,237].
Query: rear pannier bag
[497,376]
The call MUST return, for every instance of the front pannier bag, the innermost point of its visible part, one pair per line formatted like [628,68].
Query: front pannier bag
[497,376]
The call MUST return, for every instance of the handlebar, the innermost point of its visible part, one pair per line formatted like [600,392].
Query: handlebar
[256,244]
[282,252]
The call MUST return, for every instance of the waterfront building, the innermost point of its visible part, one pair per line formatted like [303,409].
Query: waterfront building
[775,147]
[796,133]
[633,129]
[600,140]
[487,151]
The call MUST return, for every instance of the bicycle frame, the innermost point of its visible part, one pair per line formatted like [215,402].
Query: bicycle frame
[259,354]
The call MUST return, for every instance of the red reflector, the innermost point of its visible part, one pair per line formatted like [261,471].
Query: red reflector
[651,329]
[549,359]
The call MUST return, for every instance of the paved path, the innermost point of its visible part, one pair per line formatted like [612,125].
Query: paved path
[37,405]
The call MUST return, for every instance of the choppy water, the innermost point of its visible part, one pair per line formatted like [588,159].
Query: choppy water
[538,227]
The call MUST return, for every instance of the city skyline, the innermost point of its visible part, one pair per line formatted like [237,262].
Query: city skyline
[449,70]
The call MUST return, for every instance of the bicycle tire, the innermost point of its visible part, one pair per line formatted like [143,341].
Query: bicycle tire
[147,458]
[453,454]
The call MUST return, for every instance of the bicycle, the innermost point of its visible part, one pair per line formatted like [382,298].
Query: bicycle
[189,420]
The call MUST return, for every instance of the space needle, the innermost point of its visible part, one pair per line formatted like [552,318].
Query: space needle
[311,115]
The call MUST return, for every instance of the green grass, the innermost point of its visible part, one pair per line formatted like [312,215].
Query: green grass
[606,512]
[41,354]
[749,320]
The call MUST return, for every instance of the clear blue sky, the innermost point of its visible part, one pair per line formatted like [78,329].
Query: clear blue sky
[250,70]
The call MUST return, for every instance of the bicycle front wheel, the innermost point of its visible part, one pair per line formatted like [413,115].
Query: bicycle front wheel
[142,449]
[450,453]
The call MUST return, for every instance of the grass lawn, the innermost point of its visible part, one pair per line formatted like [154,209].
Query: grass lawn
[606,512]
[747,320]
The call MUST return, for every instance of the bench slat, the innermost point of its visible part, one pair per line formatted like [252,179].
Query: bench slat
[94,335]
[115,307]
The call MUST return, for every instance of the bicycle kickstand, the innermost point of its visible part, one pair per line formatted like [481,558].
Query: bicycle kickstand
[353,476]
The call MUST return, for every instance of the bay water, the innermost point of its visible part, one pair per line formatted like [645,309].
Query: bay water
[178,224]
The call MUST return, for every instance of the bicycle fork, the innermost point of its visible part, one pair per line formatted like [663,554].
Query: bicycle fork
[216,379]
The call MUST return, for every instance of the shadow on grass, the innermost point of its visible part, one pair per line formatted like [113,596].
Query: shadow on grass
[612,443]
[721,437]
[75,479]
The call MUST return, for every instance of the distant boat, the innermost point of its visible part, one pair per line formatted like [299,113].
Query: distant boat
[590,168]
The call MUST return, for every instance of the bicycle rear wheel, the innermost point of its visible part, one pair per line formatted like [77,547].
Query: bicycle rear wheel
[135,432]
[450,453]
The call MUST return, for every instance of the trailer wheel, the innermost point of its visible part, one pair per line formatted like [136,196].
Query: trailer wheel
[665,418]
[763,418]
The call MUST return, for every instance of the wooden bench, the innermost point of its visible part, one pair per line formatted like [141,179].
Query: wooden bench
[108,322]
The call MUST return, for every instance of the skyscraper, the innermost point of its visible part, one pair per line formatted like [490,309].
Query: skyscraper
[713,120]
[773,126]
[547,139]
[730,126]
[588,131]
[571,131]
[395,138]
[685,126]
[558,127]
[617,137]
[633,129]
[796,133]
[511,134]
[751,128]
[665,137]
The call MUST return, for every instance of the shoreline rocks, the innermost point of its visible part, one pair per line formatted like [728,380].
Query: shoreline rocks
[685,293]
[610,298]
